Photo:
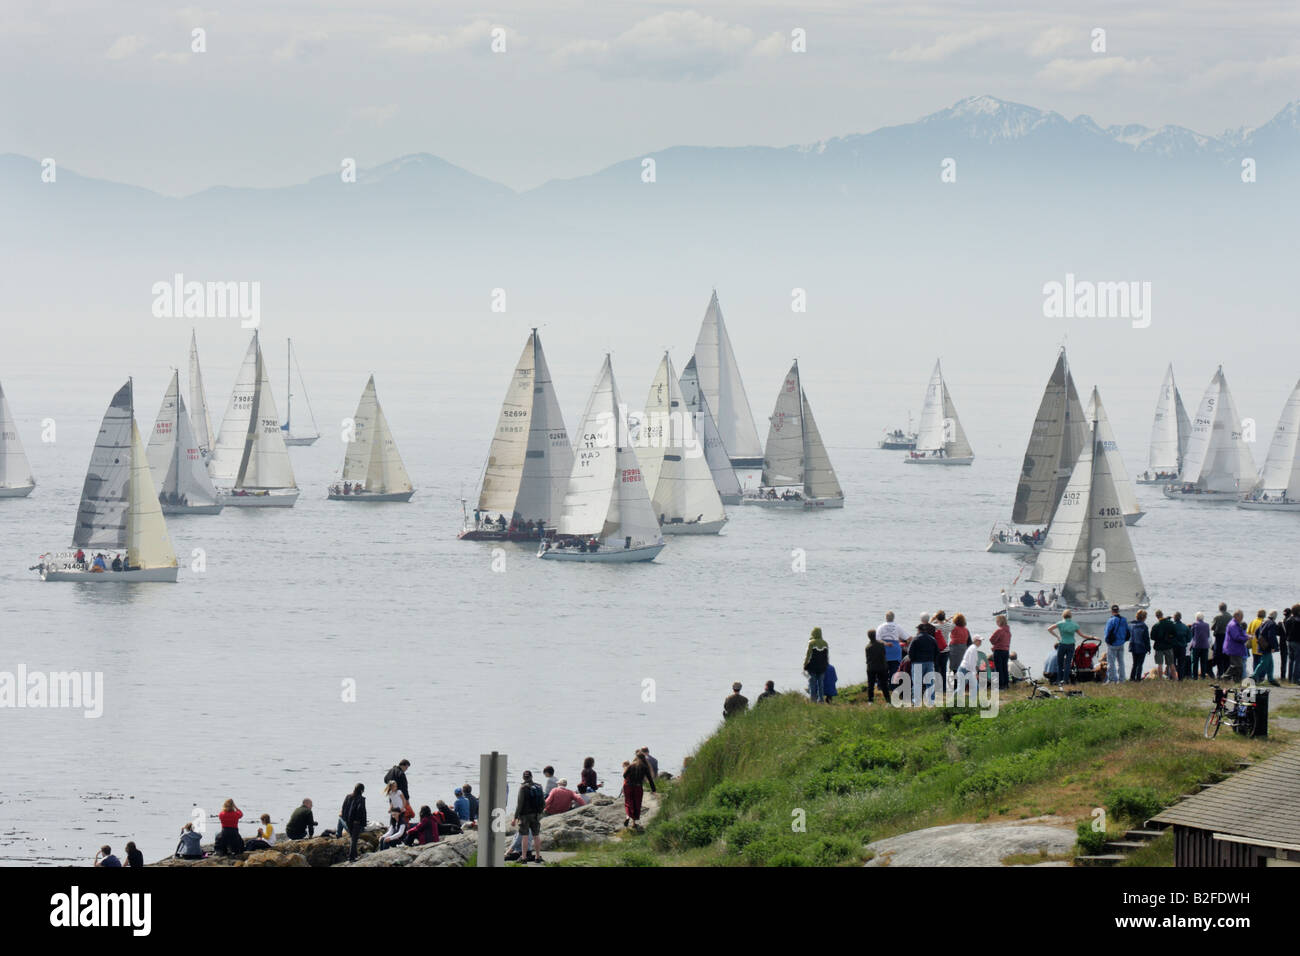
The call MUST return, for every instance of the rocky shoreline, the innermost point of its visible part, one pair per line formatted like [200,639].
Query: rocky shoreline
[598,821]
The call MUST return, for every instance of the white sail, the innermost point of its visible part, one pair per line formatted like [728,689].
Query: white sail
[105,494]
[531,459]
[193,485]
[1087,553]
[1166,454]
[162,440]
[720,381]
[1184,427]
[673,466]
[706,428]
[1281,472]
[147,542]
[265,462]
[228,451]
[930,432]
[356,460]
[819,479]
[1218,459]
[15,471]
[783,458]
[291,366]
[1059,433]
[386,473]
[202,421]
[1096,413]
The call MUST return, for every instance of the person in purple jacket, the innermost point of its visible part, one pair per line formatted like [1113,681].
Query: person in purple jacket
[1200,647]
[1234,645]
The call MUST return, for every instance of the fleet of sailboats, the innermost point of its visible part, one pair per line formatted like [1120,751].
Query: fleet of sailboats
[177,466]
[119,510]
[1218,465]
[290,437]
[673,465]
[1278,486]
[372,468]
[1169,435]
[795,459]
[607,516]
[250,463]
[940,439]
[530,460]
[16,479]
[719,375]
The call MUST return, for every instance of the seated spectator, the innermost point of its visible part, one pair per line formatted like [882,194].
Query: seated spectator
[425,831]
[561,799]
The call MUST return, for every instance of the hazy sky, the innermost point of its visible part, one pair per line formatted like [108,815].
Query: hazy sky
[286,88]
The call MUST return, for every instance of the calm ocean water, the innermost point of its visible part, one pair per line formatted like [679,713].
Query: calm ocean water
[230,683]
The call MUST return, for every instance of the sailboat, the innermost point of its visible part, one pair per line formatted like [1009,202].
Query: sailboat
[290,365]
[250,465]
[1060,431]
[673,465]
[372,467]
[119,509]
[706,429]
[1169,435]
[715,363]
[16,479]
[177,467]
[200,420]
[940,439]
[796,456]
[1115,461]
[1087,558]
[1218,464]
[1278,487]
[530,460]
[607,516]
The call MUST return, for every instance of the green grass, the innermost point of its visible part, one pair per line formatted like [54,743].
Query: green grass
[797,784]
[1159,852]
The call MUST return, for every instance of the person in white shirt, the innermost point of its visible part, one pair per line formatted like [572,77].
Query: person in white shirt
[970,665]
[550,783]
[892,636]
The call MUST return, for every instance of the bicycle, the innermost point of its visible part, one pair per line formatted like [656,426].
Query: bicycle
[1240,717]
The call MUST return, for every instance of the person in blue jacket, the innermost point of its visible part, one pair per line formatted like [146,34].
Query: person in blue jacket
[828,682]
[1117,635]
[1139,642]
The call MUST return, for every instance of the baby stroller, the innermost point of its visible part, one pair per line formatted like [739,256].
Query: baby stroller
[1083,668]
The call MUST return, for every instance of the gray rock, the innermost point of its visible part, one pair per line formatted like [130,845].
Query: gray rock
[972,844]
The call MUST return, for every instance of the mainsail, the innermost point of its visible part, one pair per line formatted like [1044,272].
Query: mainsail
[15,471]
[607,495]
[1170,430]
[673,465]
[175,459]
[250,453]
[201,420]
[530,460]
[146,539]
[290,366]
[372,458]
[1087,553]
[1114,460]
[795,452]
[105,494]
[720,381]
[1059,434]
[1281,473]
[940,428]
[706,430]
[1217,459]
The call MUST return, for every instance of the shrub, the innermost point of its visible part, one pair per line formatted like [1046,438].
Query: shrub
[832,851]
[1134,803]
[1090,840]
[740,796]
[695,829]
[742,835]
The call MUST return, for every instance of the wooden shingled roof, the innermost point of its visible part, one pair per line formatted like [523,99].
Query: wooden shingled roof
[1260,803]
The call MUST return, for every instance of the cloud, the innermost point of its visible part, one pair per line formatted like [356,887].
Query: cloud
[1083,72]
[185,57]
[1055,38]
[1266,70]
[300,44]
[375,115]
[477,32]
[126,46]
[941,47]
[671,46]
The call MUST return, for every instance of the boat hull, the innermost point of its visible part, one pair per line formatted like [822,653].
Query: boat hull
[745,462]
[137,576]
[699,527]
[482,534]
[275,499]
[939,461]
[1050,615]
[20,492]
[1173,492]
[386,496]
[730,499]
[1010,547]
[898,446]
[1269,505]
[616,556]
[301,442]
[1152,481]
[214,509]
[794,504]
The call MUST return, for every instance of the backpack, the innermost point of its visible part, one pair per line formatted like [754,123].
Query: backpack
[534,799]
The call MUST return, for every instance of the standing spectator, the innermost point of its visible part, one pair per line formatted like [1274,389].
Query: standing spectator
[396,800]
[106,858]
[769,690]
[133,856]
[942,628]
[1234,645]
[228,841]
[1066,631]
[1251,629]
[877,669]
[1201,638]
[1117,635]
[1139,643]
[1000,641]
[654,764]
[736,703]
[829,687]
[1182,640]
[528,817]
[635,777]
[921,652]
[815,660]
[958,640]
[354,815]
[301,823]
[1218,628]
[1293,643]
[892,636]
[1283,630]
[1162,639]
[398,775]
[1266,642]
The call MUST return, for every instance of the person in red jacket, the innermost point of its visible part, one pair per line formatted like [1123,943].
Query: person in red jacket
[228,841]
[1000,641]
[561,799]
[426,831]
